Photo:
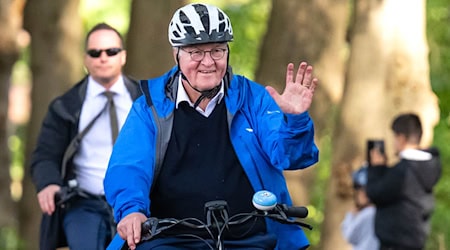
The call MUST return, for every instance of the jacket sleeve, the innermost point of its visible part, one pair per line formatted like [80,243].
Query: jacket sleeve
[54,136]
[130,170]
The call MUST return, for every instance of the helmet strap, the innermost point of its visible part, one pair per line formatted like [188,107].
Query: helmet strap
[209,93]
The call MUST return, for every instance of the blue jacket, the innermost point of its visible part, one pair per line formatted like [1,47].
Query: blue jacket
[266,142]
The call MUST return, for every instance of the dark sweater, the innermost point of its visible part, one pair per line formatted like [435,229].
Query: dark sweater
[201,166]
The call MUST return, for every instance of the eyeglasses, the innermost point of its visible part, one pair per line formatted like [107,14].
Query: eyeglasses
[198,55]
[95,53]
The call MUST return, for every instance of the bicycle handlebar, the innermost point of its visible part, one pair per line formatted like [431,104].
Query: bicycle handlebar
[297,212]
[265,204]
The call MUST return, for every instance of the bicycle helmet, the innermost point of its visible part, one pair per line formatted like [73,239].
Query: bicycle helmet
[359,177]
[199,23]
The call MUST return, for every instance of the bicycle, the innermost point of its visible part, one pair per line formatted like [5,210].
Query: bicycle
[217,219]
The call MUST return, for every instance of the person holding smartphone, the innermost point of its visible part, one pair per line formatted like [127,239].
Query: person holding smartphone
[403,193]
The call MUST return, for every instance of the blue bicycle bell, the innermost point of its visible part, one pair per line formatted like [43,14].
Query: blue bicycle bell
[264,200]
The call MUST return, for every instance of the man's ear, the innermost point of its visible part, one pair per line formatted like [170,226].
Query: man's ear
[124,57]
[175,54]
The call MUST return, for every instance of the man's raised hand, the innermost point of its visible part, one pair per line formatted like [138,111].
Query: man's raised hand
[297,95]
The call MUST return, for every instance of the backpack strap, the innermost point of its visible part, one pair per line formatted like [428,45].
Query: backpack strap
[164,128]
[75,143]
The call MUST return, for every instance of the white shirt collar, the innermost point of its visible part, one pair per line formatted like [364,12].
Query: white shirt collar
[183,96]
[415,155]
[94,88]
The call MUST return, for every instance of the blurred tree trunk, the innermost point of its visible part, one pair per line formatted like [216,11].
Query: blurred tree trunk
[388,73]
[148,49]
[56,63]
[10,28]
[311,31]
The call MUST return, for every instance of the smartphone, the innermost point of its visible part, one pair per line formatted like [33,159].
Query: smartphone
[374,143]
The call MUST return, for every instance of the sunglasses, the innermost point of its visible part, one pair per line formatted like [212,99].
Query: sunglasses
[95,53]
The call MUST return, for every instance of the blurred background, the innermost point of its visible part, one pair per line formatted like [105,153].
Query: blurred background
[374,59]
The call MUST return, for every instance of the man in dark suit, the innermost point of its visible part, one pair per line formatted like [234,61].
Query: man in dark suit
[75,143]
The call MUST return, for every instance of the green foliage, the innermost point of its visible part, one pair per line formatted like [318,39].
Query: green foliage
[9,239]
[249,26]
[249,21]
[317,207]
[115,13]
[438,33]
[440,235]
[17,148]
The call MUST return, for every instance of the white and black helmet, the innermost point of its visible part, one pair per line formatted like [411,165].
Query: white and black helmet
[199,23]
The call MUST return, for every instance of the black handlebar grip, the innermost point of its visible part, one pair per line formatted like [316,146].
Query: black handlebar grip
[298,212]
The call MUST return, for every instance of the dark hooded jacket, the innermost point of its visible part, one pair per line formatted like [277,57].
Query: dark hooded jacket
[404,198]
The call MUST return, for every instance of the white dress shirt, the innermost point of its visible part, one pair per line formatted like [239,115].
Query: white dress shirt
[95,148]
